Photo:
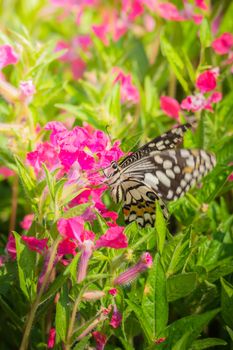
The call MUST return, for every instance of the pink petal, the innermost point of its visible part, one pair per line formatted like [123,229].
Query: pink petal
[100,339]
[27,221]
[170,106]
[113,238]
[51,338]
[71,228]
[7,56]
[35,244]
[201,4]
[206,81]
[169,11]
[6,172]
[223,44]
[101,32]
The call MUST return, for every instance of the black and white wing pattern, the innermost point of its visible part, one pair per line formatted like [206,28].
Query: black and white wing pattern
[156,172]
[168,140]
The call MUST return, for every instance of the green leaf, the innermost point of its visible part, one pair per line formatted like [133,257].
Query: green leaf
[205,34]
[192,324]
[62,315]
[143,319]
[26,180]
[227,302]
[207,343]
[26,261]
[50,182]
[75,211]
[180,285]
[175,61]
[161,228]
[154,300]
[115,103]
[81,345]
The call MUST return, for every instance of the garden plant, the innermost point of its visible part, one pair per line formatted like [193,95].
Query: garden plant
[84,83]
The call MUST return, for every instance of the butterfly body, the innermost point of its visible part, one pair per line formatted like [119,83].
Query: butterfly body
[156,172]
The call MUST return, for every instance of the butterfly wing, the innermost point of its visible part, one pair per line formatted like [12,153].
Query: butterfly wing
[170,174]
[169,140]
[139,203]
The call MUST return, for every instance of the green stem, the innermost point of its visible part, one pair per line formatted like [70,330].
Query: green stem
[31,315]
[72,322]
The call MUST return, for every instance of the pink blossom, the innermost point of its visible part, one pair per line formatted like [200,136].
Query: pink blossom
[160,340]
[199,102]
[201,4]
[129,92]
[72,228]
[66,246]
[86,252]
[6,172]
[100,339]
[133,272]
[63,45]
[223,44]
[7,56]
[27,90]
[169,11]
[113,292]
[78,67]
[27,221]
[134,7]
[116,319]
[44,153]
[38,245]
[101,31]
[11,246]
[206,81]
[51,338]
[170,106]
[230,177]
[113,238]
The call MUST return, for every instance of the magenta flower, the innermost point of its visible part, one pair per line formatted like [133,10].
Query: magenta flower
[66,246]
[170,106]
[72,228]
[6,172]
[27,222]
[113,292]
[133,272]
[51,338]
[169,11]
[100,339]
[201,4]
[38,245]
[116,318]
[27,90]
[11,246]
[206,81]
[101,31]
[223,44]
[129,92]
[113,238]
[7,56]
[160,340]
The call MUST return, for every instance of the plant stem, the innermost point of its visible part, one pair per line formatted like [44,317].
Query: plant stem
[14,203]
[72,322]
[31,315]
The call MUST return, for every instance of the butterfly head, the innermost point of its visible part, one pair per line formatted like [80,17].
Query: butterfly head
[112,170]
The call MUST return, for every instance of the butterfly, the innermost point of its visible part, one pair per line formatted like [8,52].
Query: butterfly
[157,171]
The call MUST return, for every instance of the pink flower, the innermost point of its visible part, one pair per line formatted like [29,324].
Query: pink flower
[198,102]
[66,246]
[72,228]
[100,339]
[116,318]
[7,56]
[129,92]
[133,272]
[206,81]
[6,172]
[11,246]
[169,11]
[93,295]
[113,238]
[201,4]
[44,153]
[78,67]
[101,31]
[160,340]
[170,106]
[86,252]
[38,245]
[27,90]
[51,338]
[223,44]
[27,221]
[113,292]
